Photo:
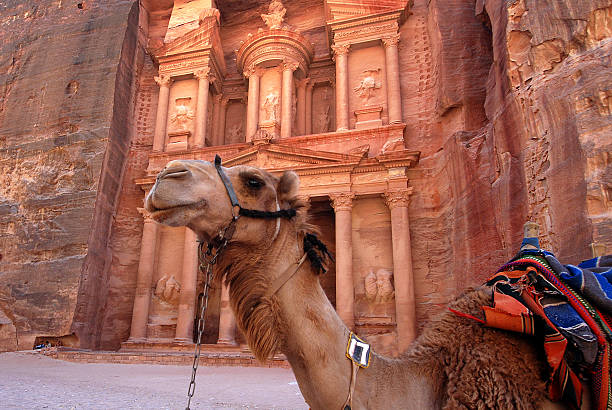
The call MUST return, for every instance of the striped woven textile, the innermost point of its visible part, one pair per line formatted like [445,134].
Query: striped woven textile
[569,308]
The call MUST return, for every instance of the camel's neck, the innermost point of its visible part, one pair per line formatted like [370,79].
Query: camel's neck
[314,338]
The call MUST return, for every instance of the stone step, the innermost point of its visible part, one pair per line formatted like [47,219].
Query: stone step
[207,358]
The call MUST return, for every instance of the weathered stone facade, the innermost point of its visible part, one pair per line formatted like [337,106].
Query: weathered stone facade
[425,134]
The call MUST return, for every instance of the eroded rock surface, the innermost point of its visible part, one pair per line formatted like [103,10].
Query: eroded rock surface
[64,83]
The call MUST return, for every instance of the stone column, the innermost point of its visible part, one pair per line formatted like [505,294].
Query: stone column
[221,124]
[405,303]
[301,106]
[393,79]
[187,299]
[227,322]
[253,102]
[144,280]
[343,205]
[204,78]
[342,89]
[161,120]
[309,88]
[287,99]
[216,115]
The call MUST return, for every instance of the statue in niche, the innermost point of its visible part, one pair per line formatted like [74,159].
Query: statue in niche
[276,15]
[379,287]
[369,84]
[183,114]
[324,120]
[270,107]
[236,133]
[168,289]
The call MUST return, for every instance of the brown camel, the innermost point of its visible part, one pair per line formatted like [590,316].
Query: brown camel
[455,363]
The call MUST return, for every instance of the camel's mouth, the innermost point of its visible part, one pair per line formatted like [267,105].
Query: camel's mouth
[162,214]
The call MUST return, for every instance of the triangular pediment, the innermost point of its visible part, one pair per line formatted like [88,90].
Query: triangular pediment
[278,157]
[201,38]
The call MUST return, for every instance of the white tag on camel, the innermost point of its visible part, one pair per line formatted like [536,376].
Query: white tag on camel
[358,351]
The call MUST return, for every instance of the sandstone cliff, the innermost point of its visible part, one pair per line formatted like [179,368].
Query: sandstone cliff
[65,87]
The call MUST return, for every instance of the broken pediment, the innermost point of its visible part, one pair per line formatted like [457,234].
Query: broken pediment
[342,9]
[275,156]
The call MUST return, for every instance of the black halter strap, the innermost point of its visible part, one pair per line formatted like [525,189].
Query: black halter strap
[252,213]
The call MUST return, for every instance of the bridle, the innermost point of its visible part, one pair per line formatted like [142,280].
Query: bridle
[208,253]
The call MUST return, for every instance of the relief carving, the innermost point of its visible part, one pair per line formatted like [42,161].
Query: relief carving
[379,286]
[168,289]
[271,108]
[183,114]
[324,120]
[236,133]
[369,85]
[276,15]
[393,144]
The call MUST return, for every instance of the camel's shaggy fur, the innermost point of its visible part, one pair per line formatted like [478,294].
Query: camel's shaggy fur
[248,279]
[476,366]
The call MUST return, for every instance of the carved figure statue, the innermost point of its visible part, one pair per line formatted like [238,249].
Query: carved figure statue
[384,286]
[369,84]
[378,287]
[371,290]
[168,289]
[324,120]
[236,133]
[456,362]
[276,15]
[183,114]
[271,107]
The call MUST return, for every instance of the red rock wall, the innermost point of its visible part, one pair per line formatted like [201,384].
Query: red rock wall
[63,78]
[513,123]
[508,102]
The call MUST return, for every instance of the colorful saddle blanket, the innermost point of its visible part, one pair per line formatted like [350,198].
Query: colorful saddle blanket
[570,307]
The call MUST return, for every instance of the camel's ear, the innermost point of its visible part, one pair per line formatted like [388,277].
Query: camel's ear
[288,186]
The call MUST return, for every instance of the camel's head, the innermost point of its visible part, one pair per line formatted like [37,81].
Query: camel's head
[190,193]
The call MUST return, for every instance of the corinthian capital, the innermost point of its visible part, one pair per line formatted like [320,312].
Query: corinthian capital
[342,201]
[163,80]
[340,49]
[395,198]
[290,65]
[203,74]
[391,40]
[252,70]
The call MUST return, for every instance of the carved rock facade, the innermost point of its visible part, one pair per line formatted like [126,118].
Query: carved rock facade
[441,123]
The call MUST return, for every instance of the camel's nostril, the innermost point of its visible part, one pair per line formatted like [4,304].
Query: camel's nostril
[174,172]
[177,174]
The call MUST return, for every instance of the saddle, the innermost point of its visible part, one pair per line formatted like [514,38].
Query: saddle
[569,308]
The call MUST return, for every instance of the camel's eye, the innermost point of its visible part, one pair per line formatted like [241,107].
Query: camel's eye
[254,183]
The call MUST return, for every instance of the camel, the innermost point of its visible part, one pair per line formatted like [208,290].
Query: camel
[454,363]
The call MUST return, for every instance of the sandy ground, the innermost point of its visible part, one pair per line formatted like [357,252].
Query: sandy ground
[33,381]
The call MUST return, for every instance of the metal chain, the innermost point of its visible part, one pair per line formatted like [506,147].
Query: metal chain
[206,262]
